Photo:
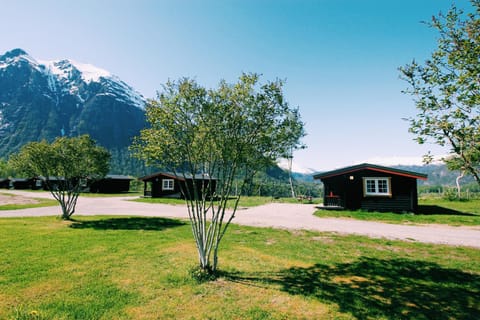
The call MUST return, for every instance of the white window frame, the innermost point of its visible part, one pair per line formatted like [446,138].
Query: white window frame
[168,184]
[377,192]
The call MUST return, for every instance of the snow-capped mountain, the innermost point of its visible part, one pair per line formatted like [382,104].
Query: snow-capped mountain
[297,168]
[46,99]
[70,76]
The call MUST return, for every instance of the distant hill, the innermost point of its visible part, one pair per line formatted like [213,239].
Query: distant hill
[438,175]
[47,99]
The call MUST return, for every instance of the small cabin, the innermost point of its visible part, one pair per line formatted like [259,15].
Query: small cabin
[370,187]
[181,186]
[21,183]
[55,183]
[111,183]
[4,183]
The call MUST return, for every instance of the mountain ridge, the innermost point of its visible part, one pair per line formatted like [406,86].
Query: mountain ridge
[46,99]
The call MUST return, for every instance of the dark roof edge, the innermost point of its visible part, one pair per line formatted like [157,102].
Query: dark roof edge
[373,167]
[179,176]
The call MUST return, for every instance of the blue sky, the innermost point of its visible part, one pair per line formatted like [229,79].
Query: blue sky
[339,58]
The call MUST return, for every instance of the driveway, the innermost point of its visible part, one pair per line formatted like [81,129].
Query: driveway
[275,215]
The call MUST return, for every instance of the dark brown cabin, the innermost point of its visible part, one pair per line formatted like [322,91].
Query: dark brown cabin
[111,183]
[169,185]
[371,187]
[55,183]
[4,183]
[21,183]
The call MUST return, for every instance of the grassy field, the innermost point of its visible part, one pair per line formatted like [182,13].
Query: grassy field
[431,211]
[138,268]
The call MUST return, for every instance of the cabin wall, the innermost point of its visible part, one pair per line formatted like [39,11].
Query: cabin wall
[5,183]
[110,186]
[349,188]
[157,191]
[181,189]
[404,196]
[21,184]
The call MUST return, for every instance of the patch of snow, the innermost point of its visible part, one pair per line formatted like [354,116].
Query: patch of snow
[18,58]
[2,124]
[65,69]
[126,92]
[283,163]
[90,72]
[67,75]
[106,94]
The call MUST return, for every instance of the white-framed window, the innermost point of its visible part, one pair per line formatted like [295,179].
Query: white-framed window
[377,186]
[167,184]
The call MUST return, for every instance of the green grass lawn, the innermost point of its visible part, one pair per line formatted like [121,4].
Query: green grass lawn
[431,211]
[138,268]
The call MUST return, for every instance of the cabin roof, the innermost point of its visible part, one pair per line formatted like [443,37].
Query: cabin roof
[117,177]
[372,167]
[179,176]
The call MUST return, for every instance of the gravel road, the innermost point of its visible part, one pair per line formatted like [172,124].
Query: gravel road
[275,215]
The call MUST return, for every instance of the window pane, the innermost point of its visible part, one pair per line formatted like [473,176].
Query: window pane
[382,186]
[371,186]
[167,184]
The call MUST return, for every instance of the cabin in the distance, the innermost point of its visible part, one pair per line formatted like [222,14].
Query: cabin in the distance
[370,187]
[169,185]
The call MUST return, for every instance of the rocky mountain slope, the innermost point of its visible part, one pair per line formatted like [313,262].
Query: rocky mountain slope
[47,99]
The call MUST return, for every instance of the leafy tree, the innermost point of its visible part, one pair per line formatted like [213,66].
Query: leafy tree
[447,89]
[64,164]
[5,170]
[228,133]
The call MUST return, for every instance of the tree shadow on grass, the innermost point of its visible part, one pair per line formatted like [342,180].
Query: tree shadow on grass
[432,209]
[372,288]
[132,223]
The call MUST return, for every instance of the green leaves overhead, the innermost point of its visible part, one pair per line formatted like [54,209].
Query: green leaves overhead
[243,123]
[446,89]
[77,157]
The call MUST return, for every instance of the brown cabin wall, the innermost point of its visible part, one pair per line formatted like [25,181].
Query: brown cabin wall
[349,187]
[110,186]
[182,189]
[157,191]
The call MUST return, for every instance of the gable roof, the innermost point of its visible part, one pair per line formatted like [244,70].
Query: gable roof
[179,176]
[372,167]
[117,177]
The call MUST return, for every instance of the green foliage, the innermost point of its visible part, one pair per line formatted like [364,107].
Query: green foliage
[122,162]
[201,275]
[5,169]
[228,133]
[447,89]
[63,164]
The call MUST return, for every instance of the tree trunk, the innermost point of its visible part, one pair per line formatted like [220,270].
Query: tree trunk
[290,179]
[457,182]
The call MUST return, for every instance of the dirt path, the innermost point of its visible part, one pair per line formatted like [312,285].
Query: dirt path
[15,199]
[275,215]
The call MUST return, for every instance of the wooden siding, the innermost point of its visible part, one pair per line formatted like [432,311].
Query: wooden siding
[348,189]
[182,187]
[395,204]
